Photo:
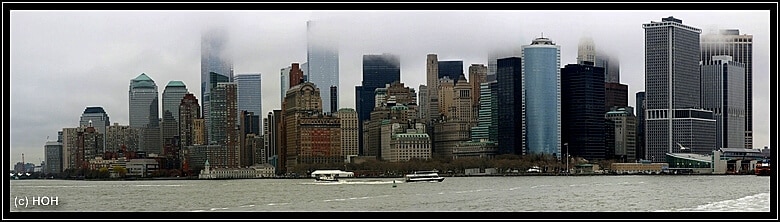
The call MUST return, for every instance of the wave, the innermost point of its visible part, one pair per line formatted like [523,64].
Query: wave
[757,202]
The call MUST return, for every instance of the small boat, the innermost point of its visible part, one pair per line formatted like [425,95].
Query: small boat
[330,175]
[423,176]
[763,168]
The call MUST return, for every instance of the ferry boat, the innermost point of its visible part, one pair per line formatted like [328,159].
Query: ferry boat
[424,176]
[763,168]
[330,175]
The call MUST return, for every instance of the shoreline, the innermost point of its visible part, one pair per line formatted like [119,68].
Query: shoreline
[444,175]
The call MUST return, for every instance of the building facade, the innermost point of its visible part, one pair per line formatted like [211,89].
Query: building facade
[542,96]
[723,90]
[740,47]
[673,91]
[323,59]
[144,113]
[582,115]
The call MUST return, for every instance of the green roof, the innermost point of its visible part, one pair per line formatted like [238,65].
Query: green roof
[143,77]
[176,83]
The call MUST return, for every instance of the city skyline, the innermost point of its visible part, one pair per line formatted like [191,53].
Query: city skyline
[56,51]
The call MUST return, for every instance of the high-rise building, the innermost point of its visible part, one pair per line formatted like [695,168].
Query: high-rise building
[740,48]
[53,153]
[509,85]
[445,96]
[496,54]
[582,114]
[586,50]
[301,101]
[323,59]
[249,95]
[189,111]
[121,138]
[723,87]
[172,95]
[82,144]
[97,116]
[224,119]
[487,124]
[250,138]
[378,71]
[542,96]
[213,59]
[611,66]
[640,125]
[423,102]
[674,118]
[432,80]
[616,95]
[349,132]
[452,69]
[214,80]
[295,75]
[144,113]
[624,142]
[284,81]
[477,76]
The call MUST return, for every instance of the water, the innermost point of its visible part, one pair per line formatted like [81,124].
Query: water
[484,194]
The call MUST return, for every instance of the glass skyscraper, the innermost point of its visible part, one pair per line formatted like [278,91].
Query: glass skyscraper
[542,96]
[378,72]
[144,112]
[249,95]
[212,59]
[509,85]
[323,61]
[582,114]
[172,95]
[740,48]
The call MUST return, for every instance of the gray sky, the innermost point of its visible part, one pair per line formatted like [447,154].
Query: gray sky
[64,61]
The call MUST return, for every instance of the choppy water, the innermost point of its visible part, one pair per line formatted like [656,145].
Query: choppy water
[483,194]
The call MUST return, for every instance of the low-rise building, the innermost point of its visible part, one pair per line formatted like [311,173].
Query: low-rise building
[252,172]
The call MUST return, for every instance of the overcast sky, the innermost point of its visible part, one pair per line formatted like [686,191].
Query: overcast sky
[64,61]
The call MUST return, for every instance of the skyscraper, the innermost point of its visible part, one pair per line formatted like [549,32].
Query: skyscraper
[189,111]
[496,54]
[213,58]
[378,71]
[172,96]
[249,95]
[673,90]
[510,106]
[144,113]
[586,50]
[210,121]
[451,69]
[323,59]
[97,117]
[432,80]
[477,76]
[542,96]
[582,114]
[740,48]
[616,95]
[723,88]
[640,125]
[225,121]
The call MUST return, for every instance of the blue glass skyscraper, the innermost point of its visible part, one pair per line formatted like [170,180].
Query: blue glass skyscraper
[542,96]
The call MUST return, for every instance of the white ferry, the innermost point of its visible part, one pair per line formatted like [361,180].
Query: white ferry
[330,175]
[424,176]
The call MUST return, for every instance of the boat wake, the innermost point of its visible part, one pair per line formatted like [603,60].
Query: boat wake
[758,202]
